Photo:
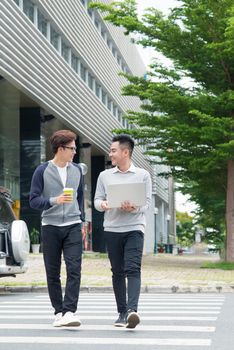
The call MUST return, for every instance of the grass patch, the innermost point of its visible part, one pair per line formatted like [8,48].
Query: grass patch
[218,265]
[94,255]
[22,284]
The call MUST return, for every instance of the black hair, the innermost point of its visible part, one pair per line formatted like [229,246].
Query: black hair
[126,141]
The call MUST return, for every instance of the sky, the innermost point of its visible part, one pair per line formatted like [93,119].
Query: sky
[182,202]
[162,5]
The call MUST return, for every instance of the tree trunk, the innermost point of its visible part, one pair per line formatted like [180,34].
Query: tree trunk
[230,212]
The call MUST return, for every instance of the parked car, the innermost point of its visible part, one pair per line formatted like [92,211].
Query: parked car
[14,239]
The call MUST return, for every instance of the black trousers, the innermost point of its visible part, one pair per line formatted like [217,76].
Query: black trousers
[125,254]
[67,240]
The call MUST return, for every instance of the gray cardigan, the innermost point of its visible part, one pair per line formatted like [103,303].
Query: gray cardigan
[46,185]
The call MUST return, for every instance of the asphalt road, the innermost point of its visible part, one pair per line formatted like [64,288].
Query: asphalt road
[168,321]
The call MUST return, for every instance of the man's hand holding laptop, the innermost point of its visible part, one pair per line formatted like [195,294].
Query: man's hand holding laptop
[125,206]
[128,206]
[104,205]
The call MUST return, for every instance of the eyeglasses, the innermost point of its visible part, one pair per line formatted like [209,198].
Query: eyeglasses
[71,148]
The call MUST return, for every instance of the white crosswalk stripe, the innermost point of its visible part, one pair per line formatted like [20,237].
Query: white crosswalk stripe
[116,329]
[167,320]
[109,341]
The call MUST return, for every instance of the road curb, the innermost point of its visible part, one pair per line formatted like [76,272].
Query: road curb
[145,289]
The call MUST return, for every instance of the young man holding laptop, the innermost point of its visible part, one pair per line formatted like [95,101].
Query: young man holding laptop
[124,226]
[57,190]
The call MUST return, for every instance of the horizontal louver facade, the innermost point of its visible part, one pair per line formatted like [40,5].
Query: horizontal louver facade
[31,63]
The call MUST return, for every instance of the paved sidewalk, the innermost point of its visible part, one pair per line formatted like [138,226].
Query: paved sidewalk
[160,273]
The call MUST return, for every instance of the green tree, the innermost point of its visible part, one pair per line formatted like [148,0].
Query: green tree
[185,229]
[191,129]
[214,232]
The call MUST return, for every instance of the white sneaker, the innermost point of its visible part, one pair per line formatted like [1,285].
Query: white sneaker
[57,319]
[69,320]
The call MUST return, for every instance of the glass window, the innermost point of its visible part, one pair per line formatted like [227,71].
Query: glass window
[17,2]
[28,9]
[96,22]
[10,139]
[83,72]
[113,50]
[104,96]
[108,43]
[119,116]
[118,59]
[75,63]
[54,38]
[97,89]
[65,51]
[103,33]
[90,12]
[6,212]
[83,2]
[90,81]
[115,111]
[109,104]
[125,123]
[42,23]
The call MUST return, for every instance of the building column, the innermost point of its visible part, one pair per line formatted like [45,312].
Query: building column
[98,240]
[30,158]
[155,230]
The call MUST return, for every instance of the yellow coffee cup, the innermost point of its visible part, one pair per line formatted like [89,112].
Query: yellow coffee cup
[69,193]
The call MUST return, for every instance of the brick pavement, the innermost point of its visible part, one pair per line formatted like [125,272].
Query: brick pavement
[160,273]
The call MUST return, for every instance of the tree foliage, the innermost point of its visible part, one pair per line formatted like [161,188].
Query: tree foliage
[189,127]
[185,229]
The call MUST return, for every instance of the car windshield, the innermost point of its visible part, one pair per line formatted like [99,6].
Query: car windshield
[6,213]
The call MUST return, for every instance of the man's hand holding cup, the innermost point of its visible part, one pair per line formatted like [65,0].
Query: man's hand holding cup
[68,194]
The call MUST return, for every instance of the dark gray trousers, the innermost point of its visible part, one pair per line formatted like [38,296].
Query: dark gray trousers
[67,240]
[125,254]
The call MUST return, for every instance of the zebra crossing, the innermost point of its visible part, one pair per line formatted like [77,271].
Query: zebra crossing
[168,321]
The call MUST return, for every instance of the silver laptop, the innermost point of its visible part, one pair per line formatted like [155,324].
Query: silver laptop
[133,192]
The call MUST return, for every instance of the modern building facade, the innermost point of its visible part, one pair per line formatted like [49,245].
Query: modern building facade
[59,69]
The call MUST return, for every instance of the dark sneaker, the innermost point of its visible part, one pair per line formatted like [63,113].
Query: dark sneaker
[133,319]
[121,321]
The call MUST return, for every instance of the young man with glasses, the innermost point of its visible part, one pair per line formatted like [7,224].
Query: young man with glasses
[62,217]
[124,229]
